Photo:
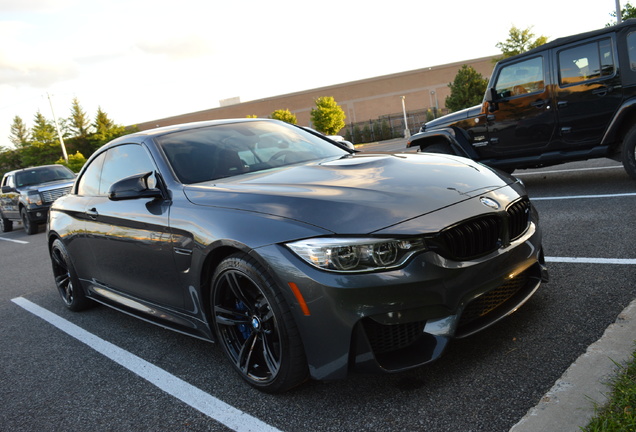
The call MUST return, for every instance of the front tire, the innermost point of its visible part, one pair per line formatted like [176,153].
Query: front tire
[30,227]
[628,155]
[255,327]
[66,280]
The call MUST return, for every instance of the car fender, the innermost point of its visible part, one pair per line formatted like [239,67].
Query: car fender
[623,121]
[452,136]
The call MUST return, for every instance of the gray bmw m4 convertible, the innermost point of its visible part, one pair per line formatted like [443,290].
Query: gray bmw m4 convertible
[300,257]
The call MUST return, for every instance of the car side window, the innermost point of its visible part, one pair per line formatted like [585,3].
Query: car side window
[124,161]
[586,62]
[631,48]
[88,184]
[8,181]
[520,78]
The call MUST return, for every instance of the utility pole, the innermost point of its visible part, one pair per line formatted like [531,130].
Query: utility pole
[407,132]
[57,127]
[619,18]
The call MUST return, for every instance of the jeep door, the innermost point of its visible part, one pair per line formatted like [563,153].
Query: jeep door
[588,92]
[523,119]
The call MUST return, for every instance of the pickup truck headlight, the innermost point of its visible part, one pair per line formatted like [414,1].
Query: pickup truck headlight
[356,254]
[34,199]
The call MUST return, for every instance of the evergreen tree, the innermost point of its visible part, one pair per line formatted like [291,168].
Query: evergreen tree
[19,133]
[467,89]
[105,129]
[78,123]
[44,147]
[327,117]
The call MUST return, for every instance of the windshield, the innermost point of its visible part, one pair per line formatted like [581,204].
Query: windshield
[225,150]
[39,175]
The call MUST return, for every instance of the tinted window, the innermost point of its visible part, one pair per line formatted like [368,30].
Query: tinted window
[631,47]
[521,78]
[124,161]
[214,152]
[39,175]
[89,182]
[586,62]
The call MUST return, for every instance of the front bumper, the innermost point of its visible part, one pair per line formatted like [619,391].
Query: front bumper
[397,320]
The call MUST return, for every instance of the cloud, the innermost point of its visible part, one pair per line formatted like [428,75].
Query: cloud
[36,75]
[177,48]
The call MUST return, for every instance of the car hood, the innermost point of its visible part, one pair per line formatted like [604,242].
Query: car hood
[55,184]
[453,117]
[358,194]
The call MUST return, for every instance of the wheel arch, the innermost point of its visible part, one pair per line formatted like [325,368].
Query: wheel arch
[451,136]
[621,124]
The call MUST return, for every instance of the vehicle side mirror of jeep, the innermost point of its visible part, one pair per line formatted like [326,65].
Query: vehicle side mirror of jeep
[7,189]
[491,98]
[133,187]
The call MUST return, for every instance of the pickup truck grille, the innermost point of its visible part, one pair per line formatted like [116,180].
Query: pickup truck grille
[483,235]
[49,196]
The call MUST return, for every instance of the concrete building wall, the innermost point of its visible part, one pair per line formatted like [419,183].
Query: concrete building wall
[361,100]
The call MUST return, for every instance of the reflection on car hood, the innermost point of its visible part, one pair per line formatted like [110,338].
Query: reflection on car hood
[357,194]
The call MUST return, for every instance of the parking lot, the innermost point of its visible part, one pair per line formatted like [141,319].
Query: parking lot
[101,370]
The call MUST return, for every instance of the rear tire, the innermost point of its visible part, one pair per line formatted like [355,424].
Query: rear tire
[255,327]
[628,154]
[5,224]
[66,280]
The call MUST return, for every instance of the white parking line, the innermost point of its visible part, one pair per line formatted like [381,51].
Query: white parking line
[14,241]
[619,261]
[225,414]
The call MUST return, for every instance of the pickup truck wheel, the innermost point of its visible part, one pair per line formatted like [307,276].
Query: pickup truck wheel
[6,225]
[30,227]
[66,280]
[629,153]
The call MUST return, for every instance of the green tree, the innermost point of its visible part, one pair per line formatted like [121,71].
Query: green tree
[519,41]
[19,133]
[284,115]
[44,147]
[327,117]
[75,161]
[78,123]
[106,129]
[467,89]
[627,12]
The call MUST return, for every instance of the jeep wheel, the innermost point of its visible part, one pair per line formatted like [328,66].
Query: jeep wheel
[29,227]
[438,147]
[5,224]
[628,155]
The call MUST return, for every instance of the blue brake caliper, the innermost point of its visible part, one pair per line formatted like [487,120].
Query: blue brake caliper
[245,329]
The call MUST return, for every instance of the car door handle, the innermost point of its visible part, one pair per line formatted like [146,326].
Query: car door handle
[538,103]
[92,213]
[601,91]
[562,104]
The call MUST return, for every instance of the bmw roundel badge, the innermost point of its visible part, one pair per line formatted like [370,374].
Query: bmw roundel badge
[489,202]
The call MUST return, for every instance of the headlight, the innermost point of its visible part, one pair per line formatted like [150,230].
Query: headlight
[356,254]
[34,199]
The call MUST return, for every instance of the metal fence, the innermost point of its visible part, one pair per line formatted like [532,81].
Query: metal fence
[388,126]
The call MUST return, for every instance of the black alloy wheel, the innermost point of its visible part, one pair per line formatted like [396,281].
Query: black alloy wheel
[30,227]
[254,326]
[68,285]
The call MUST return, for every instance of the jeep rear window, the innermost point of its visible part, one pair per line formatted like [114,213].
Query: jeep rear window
[586,62]
[520,78]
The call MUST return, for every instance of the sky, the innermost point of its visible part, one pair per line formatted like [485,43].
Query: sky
[140,60]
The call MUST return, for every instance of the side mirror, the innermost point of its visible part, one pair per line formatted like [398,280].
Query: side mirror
[7,189]
[491,98]
[133,187]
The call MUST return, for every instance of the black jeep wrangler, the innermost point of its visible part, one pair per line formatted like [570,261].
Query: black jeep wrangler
[27,194]
[571,99]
